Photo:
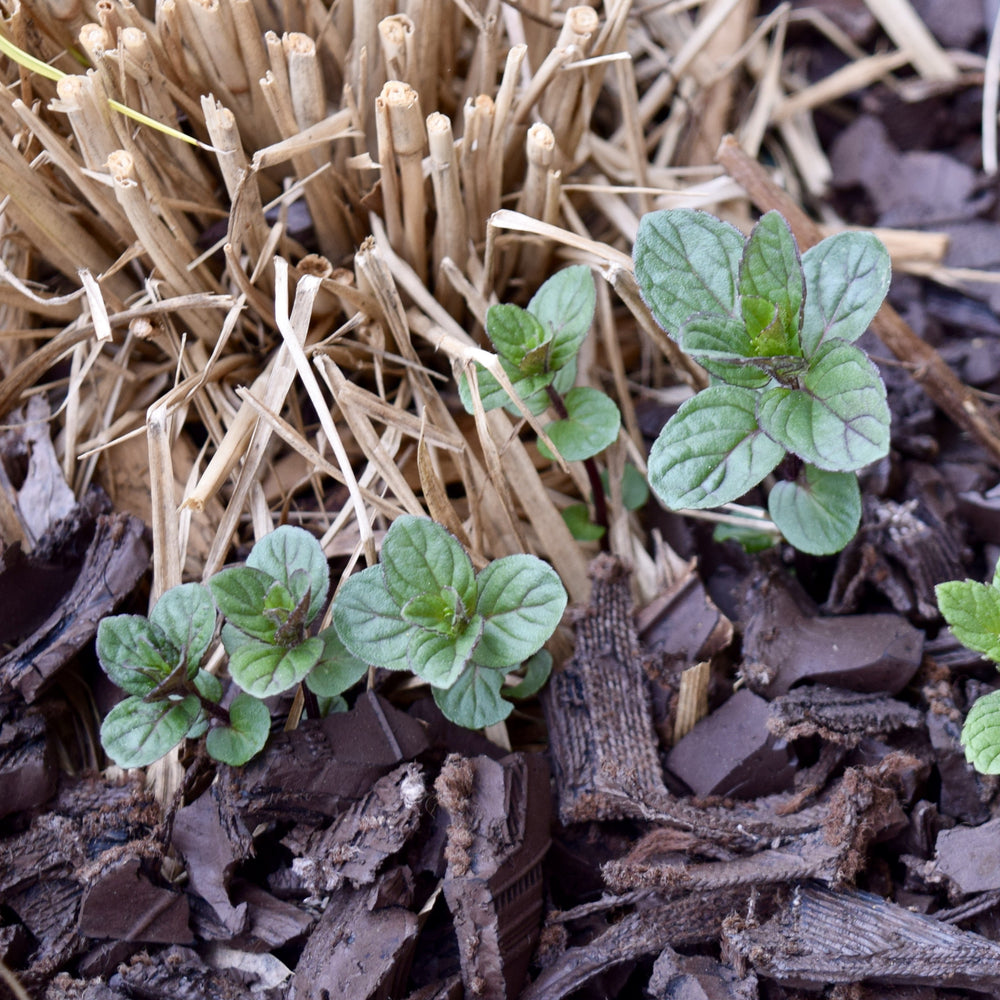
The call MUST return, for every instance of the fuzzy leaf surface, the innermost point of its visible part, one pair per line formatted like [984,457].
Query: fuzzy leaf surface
[972,611]
[847,277]
[136,733]
[818,512]
[770,273]
[295,558]
[421,557]
[474,700]
[186,614]
[438,658]
[838,420]
[370,623]
[687,262]
[565,305]
[337,669]
[981,734]
[246,734]
[135,653]
[263,670]
[711,451]
[522,601]
[591,426]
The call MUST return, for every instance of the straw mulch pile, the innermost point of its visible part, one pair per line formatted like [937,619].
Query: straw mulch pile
[266,326]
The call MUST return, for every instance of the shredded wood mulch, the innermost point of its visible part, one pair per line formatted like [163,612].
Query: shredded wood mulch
[744,780]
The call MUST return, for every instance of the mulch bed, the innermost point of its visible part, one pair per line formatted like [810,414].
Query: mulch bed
[817,832]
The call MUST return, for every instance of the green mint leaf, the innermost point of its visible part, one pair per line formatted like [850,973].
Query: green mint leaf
[635,489]
[440,612]
[530,388]
[186,614]
[819,512]
[838,420]
[295,558]
[245,736]
[847,277]
[136,733]
[474,699]
[370,623]
[722,346]
[981,734]
[264,670]
[208,686]
[241,594]
[591,426]
[337,670]
[537,669]
[772,288]
[564,306]
[420,557]
[711,451]
[517,336]
[522,600]
[135,653]
[439,659]
[577,518]
[687,262]
[972,611]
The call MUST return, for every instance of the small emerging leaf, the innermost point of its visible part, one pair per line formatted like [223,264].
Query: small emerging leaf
[517,335]
[136,733]
[438,658]
[564,306]
[522,600]
[819,512]
[474,699]
[772,288]
[981,734]
[972,611]
[264,670]
[687,262]
[246,734]
[591,426]
[208,686]
[722,346]
[530,388]
[241,594]
[847,277]
[711,451]
[294,557]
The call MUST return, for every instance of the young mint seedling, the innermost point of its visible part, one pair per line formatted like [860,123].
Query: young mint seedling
[270,604]
[537,347]
[424,609]
[775,331]
[972,610]
[157,662]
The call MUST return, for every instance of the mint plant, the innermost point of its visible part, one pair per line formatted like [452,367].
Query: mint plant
[423,608]
[537,347]
[972,610]
[269,605]
[790,393]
